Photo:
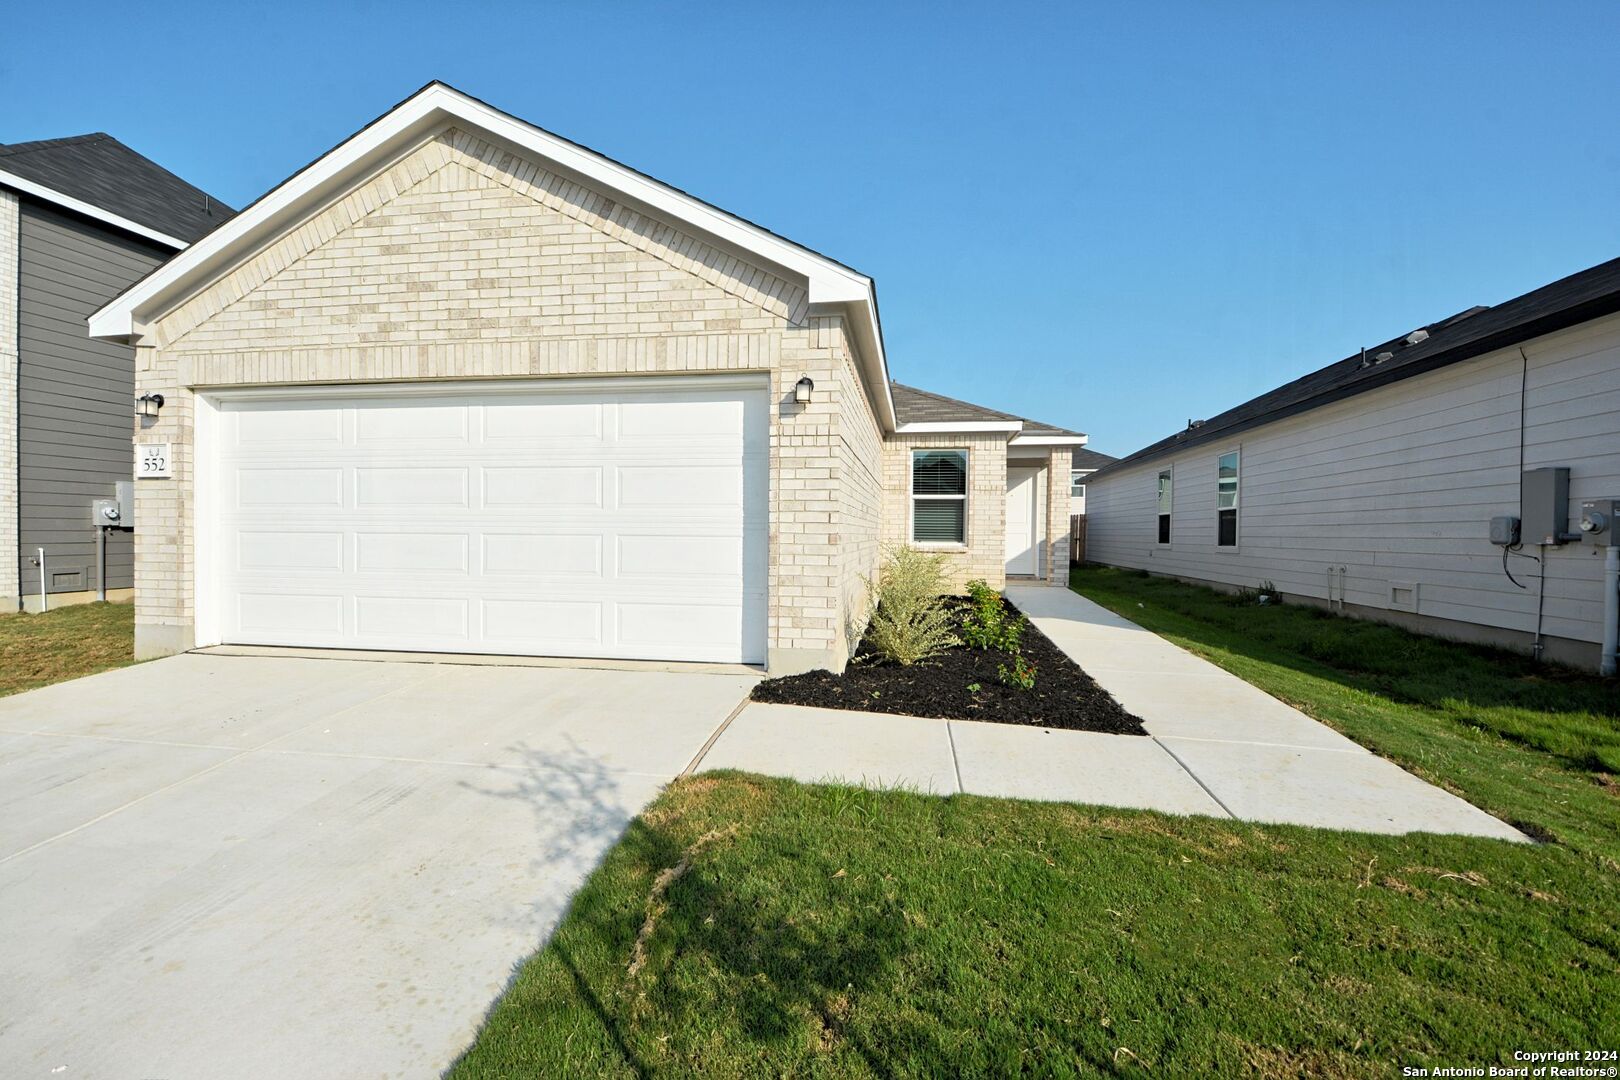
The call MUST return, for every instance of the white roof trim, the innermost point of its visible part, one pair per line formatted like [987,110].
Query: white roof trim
[89,210]
[1049,440]
[966,426]
[430,108]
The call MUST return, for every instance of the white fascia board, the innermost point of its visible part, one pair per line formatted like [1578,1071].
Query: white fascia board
[1049,440]
[433,107]
[940,427]
[79,206]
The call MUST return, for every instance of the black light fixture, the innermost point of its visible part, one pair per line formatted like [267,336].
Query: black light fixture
[803,389]
[147,406]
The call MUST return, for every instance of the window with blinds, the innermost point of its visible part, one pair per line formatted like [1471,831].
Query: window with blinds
[939,496]
[1165,492]
[1226,500]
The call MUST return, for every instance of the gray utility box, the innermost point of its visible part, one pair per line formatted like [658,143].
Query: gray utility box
[117,512]
[1544,506]
[1598,525]
[1505,530]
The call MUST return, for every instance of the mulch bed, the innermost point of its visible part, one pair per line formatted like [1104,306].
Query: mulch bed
[1064,696]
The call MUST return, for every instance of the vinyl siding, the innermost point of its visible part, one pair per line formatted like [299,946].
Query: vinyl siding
[75,395]
[1398,485]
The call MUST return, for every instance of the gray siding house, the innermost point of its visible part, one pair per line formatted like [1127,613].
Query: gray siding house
[81,219]
[1375,485]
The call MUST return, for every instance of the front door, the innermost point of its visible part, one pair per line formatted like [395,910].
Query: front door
[1023,550]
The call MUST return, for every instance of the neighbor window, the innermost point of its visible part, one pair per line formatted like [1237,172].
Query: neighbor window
[939,496]
[1164,507]
[1226,500]
[1077,484]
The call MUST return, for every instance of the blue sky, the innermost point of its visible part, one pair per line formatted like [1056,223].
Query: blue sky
[1112,218]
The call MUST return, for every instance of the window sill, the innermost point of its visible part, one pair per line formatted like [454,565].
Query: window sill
[946,546]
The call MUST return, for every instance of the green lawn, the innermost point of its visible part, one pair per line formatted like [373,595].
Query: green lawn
[36,650]
[761,927]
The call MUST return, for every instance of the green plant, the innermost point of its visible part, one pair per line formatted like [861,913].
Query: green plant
[1021,675]
[910,621]
[986,625]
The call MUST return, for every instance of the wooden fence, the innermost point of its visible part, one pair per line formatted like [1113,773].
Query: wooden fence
[1077,539]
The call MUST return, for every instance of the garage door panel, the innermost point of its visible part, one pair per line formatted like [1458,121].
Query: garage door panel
[295,428]
[407,487]
[277,614]
[536,554]
[543,623]
[260,489]
[393,552]
[385,424]
[680,486]
[602,523]
[541,423]
[543,487]
[436,618]
[277,550]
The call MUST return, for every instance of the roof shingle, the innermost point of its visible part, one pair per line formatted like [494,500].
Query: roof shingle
[100,170]
[914,406]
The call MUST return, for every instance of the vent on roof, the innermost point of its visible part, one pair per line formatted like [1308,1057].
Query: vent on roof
[1381,357]
[1417,337]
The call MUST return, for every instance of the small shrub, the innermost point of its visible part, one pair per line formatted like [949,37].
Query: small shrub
[986,625]
[910,622]
[1021,675]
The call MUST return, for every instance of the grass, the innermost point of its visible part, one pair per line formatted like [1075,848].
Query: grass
[37,650]
[750,927]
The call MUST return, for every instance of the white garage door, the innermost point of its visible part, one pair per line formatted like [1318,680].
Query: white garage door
[623,519]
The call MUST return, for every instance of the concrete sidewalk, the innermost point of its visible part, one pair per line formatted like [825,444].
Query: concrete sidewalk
[1217,745]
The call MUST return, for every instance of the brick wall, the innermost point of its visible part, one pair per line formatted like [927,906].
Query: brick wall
[464,261]
[9,276]
[1057,516]
[985,553]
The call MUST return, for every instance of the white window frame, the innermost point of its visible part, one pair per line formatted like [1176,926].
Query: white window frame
[912,497]
[1237,501]
[1167,471]
[1078,477]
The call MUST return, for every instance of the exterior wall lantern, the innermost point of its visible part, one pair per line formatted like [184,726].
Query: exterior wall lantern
[147,406]
[803,389]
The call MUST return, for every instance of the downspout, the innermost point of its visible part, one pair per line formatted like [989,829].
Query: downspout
[1611,606]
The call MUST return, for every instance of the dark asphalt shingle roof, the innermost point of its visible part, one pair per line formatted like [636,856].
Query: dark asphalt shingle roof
[914,406]
[100,170]
[1578,298]
[1090,459]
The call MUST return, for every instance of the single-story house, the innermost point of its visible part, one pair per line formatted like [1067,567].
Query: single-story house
[1085,461]
[463,385]
[1377,485]
[81,219]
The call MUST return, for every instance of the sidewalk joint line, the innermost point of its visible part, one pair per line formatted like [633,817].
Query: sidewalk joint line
[1195,778]
[956,758]
[703,752]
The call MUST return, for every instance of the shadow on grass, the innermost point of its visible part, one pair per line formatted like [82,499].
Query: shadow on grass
[1570,715]
[718,949]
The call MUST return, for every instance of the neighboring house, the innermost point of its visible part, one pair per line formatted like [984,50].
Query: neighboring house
[1084,463]
[1371,484]
[464,385]
[80,220]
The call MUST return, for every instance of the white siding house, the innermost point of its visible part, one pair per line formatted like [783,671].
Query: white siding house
[1380,500]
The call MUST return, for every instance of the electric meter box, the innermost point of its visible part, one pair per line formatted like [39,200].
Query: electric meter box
[117,512]
[1598,523]
[1544,506]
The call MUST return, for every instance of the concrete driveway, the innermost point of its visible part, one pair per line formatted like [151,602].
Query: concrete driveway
[239,866]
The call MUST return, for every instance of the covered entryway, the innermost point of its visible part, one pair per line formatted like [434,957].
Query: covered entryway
[620,518]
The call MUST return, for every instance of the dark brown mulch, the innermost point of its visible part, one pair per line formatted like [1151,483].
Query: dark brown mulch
[1064,696]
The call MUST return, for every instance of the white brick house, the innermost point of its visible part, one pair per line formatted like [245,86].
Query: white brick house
[463,385]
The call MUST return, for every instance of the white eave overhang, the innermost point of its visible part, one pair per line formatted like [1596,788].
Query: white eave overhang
[429,110]
[1049,440]
[89,210]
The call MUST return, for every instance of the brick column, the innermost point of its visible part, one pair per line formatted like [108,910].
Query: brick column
[1057,516]
[10,277]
